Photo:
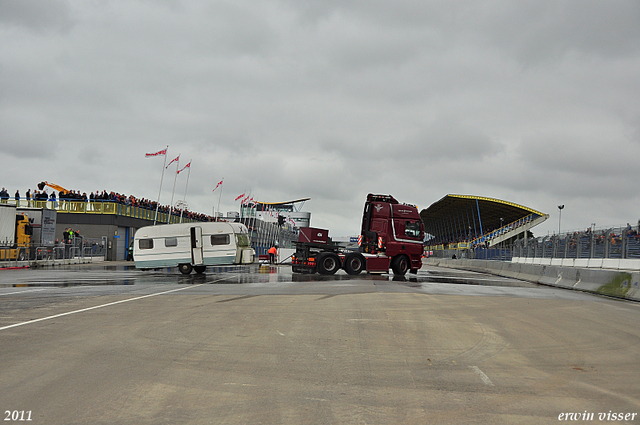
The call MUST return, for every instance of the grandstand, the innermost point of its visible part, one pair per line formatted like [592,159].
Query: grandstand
[465,221]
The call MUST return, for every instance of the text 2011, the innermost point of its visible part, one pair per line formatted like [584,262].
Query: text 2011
[17,415]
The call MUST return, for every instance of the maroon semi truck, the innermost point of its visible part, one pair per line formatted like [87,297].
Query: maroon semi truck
[391,236]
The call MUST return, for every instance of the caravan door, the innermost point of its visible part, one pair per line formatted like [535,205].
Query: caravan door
[196,246]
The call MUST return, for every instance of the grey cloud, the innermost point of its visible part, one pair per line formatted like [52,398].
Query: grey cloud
[446,139]
[37,15]
[453,140]
[591,157]
[328,99]
[540,31]
[400,13]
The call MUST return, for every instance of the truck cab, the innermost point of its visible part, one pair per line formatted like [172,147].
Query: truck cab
[393,229]
[391,236]
[16,236]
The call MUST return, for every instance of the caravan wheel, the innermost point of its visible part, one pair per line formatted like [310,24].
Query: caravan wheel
[199,269]
[185,268]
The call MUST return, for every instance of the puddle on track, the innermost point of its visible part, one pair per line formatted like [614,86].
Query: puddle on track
[115,275]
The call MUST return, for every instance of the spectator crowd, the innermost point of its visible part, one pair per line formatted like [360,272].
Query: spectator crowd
[98,196]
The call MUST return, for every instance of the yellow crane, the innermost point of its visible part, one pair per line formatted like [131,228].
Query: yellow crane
[53,186]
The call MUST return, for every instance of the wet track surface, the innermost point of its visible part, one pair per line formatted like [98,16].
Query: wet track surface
[269,278]
[109,344]
[21,289]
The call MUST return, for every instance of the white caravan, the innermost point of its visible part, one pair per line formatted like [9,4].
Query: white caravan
[192,246]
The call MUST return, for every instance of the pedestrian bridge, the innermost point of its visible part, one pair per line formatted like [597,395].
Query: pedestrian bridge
[101,207]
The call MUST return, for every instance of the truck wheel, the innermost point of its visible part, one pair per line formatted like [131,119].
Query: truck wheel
[199,269]
[185,268]
[354,264]
[328,263]
[400,265]
[21,256]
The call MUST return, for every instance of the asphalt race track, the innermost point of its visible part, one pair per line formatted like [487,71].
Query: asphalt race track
[108,344]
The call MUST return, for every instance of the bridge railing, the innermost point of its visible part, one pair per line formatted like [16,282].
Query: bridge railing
[101,207]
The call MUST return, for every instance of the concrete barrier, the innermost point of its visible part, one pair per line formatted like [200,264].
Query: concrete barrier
[595,263]
[581,262]
[632,264]
[548,276]
[568,277]
[530,272]
[626,264]
[611,263]
[509,270]
[610,282]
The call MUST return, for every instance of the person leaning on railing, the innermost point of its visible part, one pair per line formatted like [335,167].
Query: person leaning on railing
[4,195]
[53,200]
[65,199]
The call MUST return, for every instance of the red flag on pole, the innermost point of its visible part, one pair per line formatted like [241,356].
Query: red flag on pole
[162,152]
[186,166]
[241,196]
[218,185]
[173,160]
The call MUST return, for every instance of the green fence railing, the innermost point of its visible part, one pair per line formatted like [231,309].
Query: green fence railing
[101,207]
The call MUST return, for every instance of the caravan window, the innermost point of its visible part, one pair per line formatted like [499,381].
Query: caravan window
[242,239]
[170,242]
[220,240]
[145,243]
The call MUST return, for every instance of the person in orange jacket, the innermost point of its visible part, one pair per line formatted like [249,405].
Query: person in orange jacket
[273,251]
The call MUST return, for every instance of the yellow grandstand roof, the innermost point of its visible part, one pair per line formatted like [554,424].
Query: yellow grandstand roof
[455,214]
[283,203]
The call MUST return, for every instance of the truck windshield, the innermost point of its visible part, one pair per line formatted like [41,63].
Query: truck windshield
[412,229]
[242,239]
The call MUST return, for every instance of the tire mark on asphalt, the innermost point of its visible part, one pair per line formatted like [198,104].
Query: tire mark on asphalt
[243,297]
[482,375]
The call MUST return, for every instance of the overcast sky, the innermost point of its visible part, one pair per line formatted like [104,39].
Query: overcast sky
[532,102]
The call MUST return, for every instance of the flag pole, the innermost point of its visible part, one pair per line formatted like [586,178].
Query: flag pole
[155,217]
[220,196]
[185,190]
[174,189]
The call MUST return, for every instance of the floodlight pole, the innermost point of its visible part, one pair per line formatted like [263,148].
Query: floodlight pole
[560,207]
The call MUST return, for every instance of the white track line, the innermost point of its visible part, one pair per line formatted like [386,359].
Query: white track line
[22,292]
[96,307]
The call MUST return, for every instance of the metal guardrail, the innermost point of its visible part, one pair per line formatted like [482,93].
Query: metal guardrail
[615,242]
[100,207]
[11,256]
